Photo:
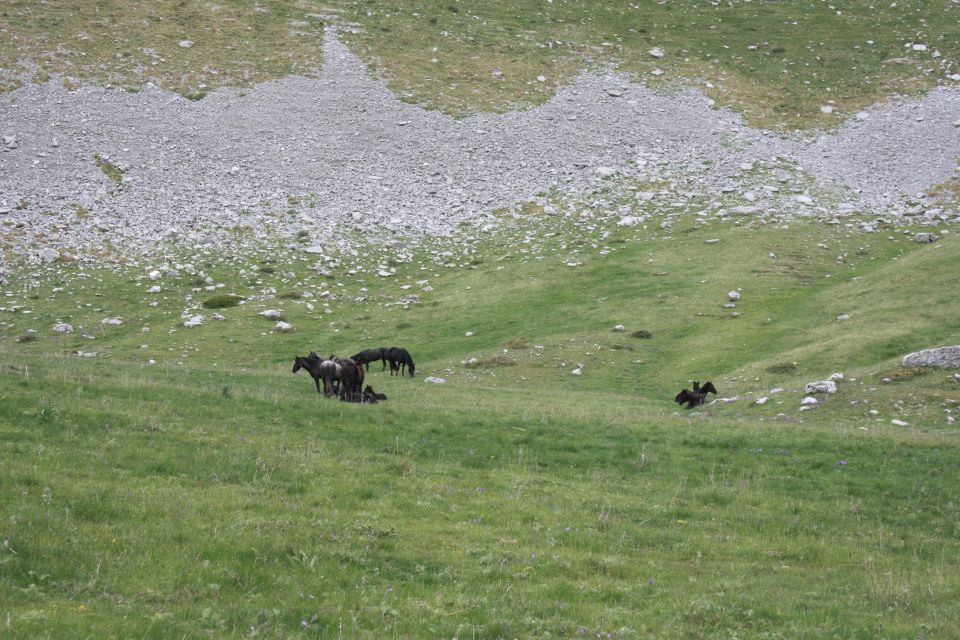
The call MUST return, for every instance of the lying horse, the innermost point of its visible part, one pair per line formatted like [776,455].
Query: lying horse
[371,355]
[379,397]
[697,396]
[399,358]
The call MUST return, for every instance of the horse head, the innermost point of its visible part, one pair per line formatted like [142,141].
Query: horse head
[297,363]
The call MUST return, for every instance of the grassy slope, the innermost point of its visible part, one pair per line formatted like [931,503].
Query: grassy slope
[221,496]
[777,62]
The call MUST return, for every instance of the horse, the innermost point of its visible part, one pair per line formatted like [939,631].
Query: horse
[351,378]
[312,364]
[697,396]
[400,358]
[330,371]
[369,392]
[371,355]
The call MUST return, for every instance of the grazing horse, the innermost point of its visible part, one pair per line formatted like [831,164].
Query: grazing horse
[371,355]
[400,358]
[330,371]
[697,396]
[351,378]
[312,363]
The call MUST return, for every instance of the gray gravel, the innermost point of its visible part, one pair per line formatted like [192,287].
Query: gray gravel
[309,155]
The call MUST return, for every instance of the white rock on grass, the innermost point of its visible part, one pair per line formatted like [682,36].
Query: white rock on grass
[942,358]
[809,401]
[154,275]
[283,327]
[63,327]
[733,296]
[193,321]
[628,221]
[657,52]
[154,289]
[821,386]
[843,317]
[111,321]
[619,328]
[468,334]
[899,423]
[434,380]
[762,400]
[577,372]
[272,314]
[836,377]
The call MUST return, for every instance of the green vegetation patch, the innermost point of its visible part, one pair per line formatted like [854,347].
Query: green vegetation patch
[111,170]
[188,46]
[222,301]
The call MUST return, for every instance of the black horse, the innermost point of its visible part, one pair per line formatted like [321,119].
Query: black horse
[697,396]
[312,363]
[371,355]
[400,358]
[369,392]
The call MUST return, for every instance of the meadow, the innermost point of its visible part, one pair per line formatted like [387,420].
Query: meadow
[215,494]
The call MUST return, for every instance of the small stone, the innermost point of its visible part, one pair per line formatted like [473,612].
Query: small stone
[606,172]
[899,423]
[10,143]
[154,289]
[925,238]
[434,380]
[802,199]
[836,377]
[272,314]
[628,221]
[283,327]
[63,327]
[111,321]
[193,321]
[821,386]
[843,317]
[762,400]
[577,372]
[826,108]
[468,334]
[657,52]
[733,296]
[711,241]
[186,44]
[809,401]
[619,328]
[615,93]
[154,275]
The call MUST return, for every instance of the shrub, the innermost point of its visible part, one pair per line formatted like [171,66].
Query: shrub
[642,333]
[222,301]
[782,367]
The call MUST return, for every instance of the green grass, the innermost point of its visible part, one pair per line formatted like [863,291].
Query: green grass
[776,62]
[215,493]
[109,169]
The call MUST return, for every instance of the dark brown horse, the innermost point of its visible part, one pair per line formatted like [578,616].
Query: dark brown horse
[697,396]
[400,358]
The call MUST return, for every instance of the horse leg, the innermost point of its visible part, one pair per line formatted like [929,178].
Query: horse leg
[316,381]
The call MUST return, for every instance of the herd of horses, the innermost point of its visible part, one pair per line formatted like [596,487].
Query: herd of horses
[343,377]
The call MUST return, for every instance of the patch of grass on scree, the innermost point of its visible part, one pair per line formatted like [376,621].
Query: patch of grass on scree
[776,62]
[214,493]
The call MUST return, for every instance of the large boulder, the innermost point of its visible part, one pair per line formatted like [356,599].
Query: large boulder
[944,358]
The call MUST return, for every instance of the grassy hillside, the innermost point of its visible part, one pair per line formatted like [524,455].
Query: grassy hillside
[213,493]
[778,63]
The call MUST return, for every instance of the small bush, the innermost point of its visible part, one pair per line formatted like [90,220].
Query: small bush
[642,333]
[898,375]
[517,343]
[27,337]
[404,325]
[498,361]
[782,367]
[290,295]
[222,301]
[622,347]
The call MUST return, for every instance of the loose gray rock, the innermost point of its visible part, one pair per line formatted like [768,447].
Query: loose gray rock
[283,327]
[63,327]
[925,238]
[821,386]
[941,358]
[434,380]
[272,314]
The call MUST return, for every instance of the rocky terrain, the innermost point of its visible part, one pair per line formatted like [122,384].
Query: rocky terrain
[97,169]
